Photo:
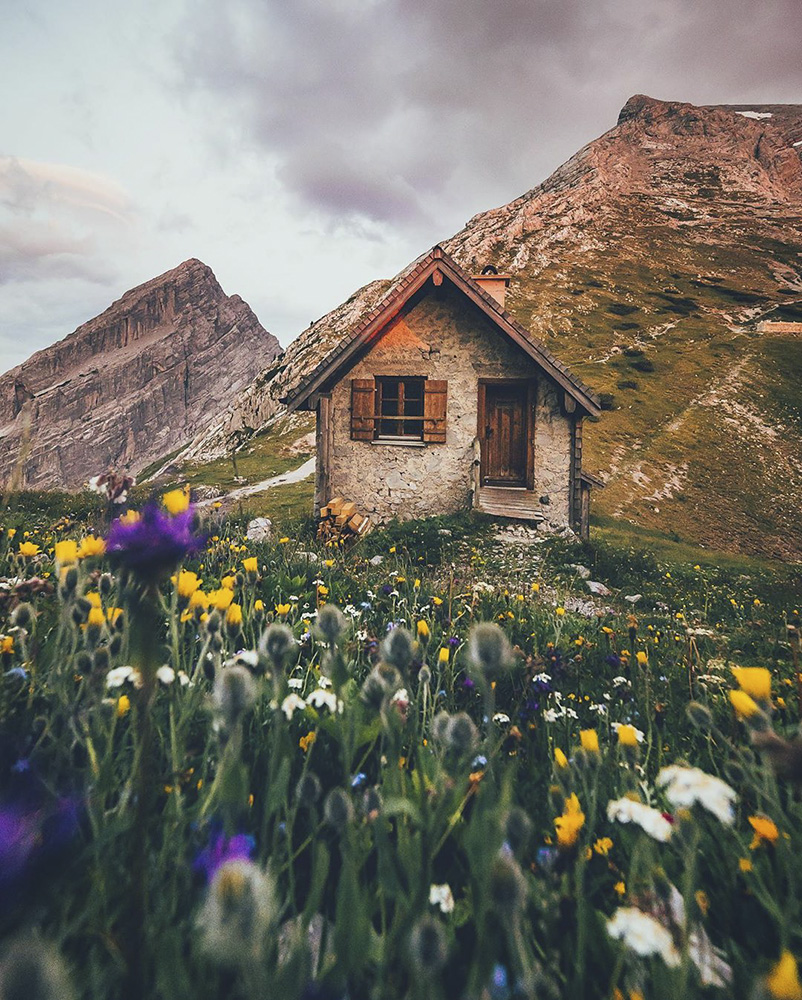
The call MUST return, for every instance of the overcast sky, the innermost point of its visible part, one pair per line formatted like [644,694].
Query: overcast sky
[304,147]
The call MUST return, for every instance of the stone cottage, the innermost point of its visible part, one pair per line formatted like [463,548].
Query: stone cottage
[438,400]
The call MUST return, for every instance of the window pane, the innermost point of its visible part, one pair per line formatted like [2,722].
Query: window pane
[400,398]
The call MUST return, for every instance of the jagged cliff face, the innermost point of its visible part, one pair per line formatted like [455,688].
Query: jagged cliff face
[651,262]
[131,385]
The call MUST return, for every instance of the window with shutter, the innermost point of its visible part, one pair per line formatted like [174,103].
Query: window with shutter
[435,400]
[363,409]
[393,408]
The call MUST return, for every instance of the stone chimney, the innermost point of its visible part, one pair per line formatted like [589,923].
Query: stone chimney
[493,283]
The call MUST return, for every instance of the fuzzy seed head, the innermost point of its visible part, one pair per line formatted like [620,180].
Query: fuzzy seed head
[517,830]
[398,649]
[277,643]
[489,651]
[700,716]
[461,736]
[440,727]
[307,791]
[338,810]
[507,886]
[427,947]
[234,693]
[330,624]
[22,616]
[239,913]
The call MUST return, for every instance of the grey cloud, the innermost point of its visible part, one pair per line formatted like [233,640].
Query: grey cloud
[56,222]
[399,110]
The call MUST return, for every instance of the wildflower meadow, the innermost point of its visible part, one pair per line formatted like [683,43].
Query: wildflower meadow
[421,767]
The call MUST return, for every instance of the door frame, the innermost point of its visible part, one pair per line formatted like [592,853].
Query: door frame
[531,394]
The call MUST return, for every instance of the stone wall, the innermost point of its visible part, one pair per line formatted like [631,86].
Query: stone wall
[442,337]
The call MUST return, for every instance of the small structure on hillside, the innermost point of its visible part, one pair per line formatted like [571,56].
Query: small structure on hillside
[438,400]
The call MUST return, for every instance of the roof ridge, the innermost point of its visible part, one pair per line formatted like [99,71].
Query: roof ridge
[437,253]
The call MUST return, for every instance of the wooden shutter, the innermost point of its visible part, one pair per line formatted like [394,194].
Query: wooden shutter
[435,399]
[363,408]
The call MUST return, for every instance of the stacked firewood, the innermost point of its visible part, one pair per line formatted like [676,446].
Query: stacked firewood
[341,523]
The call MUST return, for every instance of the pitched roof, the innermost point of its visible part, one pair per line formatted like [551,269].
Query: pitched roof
[374,322]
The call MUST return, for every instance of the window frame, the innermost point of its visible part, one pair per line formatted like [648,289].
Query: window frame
[402,417]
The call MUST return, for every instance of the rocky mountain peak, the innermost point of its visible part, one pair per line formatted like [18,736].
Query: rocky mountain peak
[132,384]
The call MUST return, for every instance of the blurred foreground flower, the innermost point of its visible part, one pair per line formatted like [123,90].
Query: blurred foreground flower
[686,785]
[239,913]
[782,982]
[650,820]
[153,544]
[643,934]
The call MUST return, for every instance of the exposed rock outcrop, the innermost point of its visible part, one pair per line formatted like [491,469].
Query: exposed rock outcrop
[131,385]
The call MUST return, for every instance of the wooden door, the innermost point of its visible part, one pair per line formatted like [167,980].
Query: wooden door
[505,435]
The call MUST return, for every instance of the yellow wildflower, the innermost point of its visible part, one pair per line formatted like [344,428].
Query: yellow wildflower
[123,705]
[765,830]
[570,823]
[6,644]
[176,501]
[627,736]
[744,864]
[322,590]
[93,597]
[603,846]
[187,583]
[755,681]
[251,564]
[306,741]
[113,614]
[258,605]
[234,615]
[442,656]
[392,550]
[228,582]
[91,546]
[559,758]
[744,706]
[437,601]
[12,532]
[67,552]
[130,517]
[283,541]
[198,601]
[96,617]
[28,549]
[559,612]
[221,599]
[783,980]
[620,888]
[642,658]
[283,609]
[535,588]
[589,739]
[423,630]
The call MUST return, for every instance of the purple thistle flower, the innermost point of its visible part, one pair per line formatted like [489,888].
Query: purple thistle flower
[155,543]
[221,849]
[453,641]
